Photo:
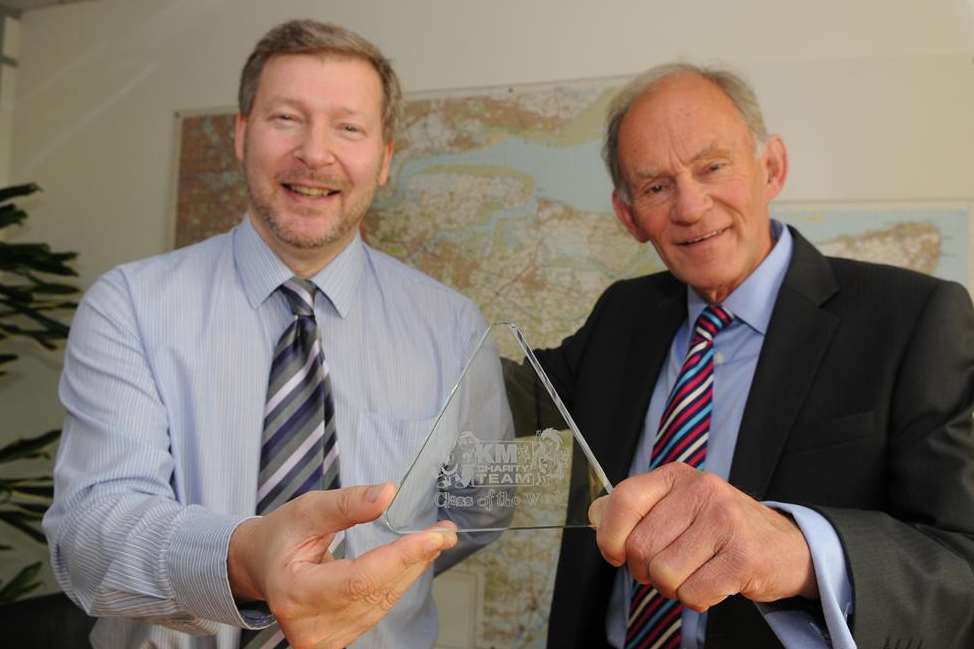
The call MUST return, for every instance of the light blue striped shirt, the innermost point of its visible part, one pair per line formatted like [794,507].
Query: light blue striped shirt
[165,378]
[736,351]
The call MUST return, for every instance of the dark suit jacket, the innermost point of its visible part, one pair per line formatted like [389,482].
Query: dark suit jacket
[860,407]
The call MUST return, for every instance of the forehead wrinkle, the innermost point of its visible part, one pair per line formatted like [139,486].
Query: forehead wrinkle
[712,150]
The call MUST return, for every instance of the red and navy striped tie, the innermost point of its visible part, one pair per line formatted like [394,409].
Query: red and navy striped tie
[654,621]
[298,450]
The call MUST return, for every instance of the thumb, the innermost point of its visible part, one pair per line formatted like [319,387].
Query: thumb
[596,510]
[339,509]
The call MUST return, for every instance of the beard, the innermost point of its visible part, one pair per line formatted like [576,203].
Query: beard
[286,228]
[286,232]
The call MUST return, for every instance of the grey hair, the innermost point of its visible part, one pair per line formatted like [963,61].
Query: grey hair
[312,37]
[737,90]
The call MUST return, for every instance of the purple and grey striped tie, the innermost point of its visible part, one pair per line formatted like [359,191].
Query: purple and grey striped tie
[654,621]
[298,450]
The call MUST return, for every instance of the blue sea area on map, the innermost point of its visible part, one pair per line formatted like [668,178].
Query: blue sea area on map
[573,175]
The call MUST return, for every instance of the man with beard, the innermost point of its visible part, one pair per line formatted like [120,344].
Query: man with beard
[251,373]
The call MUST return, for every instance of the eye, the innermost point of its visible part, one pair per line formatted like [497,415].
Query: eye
[714,167]
[352,129]
[284,118]
[657,188]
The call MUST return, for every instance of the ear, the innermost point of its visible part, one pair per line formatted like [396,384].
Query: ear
[775,162]
[624,213]
[239,137]
[386,161]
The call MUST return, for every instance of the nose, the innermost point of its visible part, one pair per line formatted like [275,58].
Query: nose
[315,148]
[692,201]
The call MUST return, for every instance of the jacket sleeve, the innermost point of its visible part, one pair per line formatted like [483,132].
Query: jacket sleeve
[911,564]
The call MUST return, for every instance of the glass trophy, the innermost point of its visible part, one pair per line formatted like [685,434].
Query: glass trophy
[503,453]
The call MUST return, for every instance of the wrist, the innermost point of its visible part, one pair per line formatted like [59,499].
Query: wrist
[240,572]
[808,581]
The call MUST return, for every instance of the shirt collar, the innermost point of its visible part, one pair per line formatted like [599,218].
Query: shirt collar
[261,271]
[340,279]
[753,301]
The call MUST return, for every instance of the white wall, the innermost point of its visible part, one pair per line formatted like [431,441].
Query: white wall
[10,33]
[874,97]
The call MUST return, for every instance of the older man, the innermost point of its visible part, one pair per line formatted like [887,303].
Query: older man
[796,430]
[233,376]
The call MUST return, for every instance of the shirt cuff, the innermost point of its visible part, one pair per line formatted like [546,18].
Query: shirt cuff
[196,562]
[834,587]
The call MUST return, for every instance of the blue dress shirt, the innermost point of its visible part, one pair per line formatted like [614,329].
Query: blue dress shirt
[164,382]
[736,351]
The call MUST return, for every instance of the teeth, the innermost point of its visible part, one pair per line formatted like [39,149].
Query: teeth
[706,236]
[311,191]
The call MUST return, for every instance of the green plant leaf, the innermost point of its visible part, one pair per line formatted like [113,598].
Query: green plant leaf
[21,258]
[45,493]
[31,509]
[39,493]
[16,191]
[51,288]
[10,215]
[30,447]
[40,318]
[16,300]
[43,337]
[23,582]
[29,513]
[23,523]
[15,294]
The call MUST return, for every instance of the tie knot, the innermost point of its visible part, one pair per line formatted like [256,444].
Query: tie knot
[300,294]
[713,319]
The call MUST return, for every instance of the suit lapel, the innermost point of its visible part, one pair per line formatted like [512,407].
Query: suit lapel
[645,352]
[798,336]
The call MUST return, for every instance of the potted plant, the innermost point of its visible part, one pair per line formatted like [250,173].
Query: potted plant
[32,299]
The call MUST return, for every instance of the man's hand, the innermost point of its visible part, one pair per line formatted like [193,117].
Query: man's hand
[698,539]
[320,602]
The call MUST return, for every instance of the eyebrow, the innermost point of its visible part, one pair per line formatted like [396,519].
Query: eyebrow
[282,100]
[710,151]
[297,104]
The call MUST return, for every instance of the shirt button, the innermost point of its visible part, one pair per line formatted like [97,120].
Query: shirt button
[718,357]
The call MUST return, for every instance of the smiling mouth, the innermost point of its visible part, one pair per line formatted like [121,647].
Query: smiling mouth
[313,192]
[703,237]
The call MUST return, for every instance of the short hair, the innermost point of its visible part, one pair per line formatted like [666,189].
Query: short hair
[737,90]
[313,37]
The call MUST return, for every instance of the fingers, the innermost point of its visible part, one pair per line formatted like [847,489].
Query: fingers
[379,577]
[338,509]
[332,603]
[597,510]
[625,508]
[671,542]
[712,583]
[695,537]
[669,567]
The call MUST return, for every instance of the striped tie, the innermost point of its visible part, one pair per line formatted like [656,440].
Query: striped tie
[654,621]
[298,452]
